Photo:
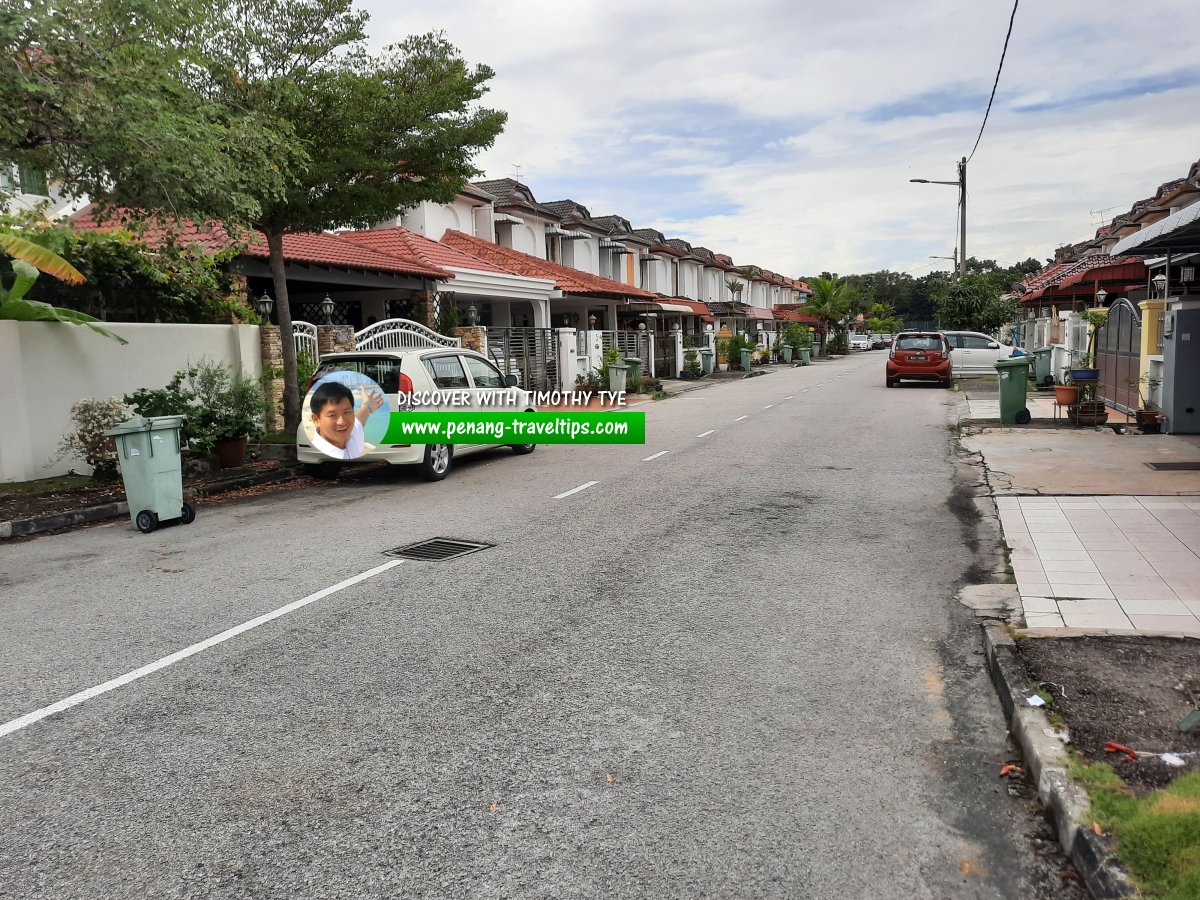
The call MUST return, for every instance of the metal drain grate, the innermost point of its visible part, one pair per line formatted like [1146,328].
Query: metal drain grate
[1175,466]
[437,549]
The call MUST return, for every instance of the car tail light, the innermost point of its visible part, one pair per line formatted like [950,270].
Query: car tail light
[892,353]
[945,353]
[406,385]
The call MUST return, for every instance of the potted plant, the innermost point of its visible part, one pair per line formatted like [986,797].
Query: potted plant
[237,417]
[1086,371]
[1149,418]
[1067,392]
[691,365]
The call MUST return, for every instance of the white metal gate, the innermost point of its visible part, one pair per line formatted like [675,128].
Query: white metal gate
[304,335]
[401,334]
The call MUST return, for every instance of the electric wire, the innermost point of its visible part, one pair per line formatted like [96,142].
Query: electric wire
[999,69]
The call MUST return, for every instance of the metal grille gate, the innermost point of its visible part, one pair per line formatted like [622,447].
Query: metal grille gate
[664,356]
[1118,356]
[529,353]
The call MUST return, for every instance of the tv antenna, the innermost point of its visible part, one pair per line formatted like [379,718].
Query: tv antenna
[1100,213]
[516,171]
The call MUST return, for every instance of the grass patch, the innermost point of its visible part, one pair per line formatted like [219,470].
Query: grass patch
[279,437]
[660,395]
[49,485]
[1158,836]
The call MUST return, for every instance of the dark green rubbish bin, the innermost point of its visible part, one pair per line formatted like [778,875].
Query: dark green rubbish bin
[149,453]
[1014,383]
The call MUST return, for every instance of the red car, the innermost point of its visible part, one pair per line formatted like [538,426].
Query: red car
[919,355]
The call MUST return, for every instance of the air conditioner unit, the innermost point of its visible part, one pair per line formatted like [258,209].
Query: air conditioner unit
[1064,315]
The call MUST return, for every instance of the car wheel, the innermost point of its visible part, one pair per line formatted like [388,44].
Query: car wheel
[324,471]
[522,449]
[436,464]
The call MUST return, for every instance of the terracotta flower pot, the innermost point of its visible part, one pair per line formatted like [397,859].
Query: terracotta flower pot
[231,452]
[1065,394]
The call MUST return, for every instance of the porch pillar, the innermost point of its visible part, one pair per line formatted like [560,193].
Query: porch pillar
[594,351]
[334,338]
[568,366]
[422,306]
[1151,333]
[473,337]
[270,346]
[541,313]
[648,364]
[677,336]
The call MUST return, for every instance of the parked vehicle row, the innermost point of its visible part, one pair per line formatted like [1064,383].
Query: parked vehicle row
[940,355]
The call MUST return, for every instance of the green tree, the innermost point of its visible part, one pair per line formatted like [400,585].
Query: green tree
[832,302]
[975,304]
[104,97]
[381,133]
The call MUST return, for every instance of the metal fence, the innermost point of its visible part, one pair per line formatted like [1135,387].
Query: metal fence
[529,353]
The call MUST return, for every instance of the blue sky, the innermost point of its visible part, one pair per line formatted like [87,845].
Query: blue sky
[785,133]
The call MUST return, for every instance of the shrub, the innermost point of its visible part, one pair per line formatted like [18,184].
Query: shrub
[92,418]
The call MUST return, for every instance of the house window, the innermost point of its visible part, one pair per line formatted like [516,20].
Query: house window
[33,181]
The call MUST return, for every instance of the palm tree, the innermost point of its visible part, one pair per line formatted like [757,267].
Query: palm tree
[832,302]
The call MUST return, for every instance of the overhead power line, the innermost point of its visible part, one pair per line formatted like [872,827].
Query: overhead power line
[999,69]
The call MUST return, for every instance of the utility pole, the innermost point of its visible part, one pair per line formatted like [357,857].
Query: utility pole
[962,236]
[961,183]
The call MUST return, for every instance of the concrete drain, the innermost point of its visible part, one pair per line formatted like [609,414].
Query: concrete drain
[1175,466]
[437,549]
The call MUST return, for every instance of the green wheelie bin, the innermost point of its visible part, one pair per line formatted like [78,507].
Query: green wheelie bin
[1014,383]
[148,450]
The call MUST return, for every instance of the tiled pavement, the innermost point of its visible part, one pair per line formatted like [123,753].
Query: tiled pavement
[1106,562]
[1040,406]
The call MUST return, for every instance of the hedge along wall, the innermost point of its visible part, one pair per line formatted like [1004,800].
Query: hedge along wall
[45,367]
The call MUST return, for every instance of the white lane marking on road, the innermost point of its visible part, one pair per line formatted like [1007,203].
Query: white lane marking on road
[769,406]
[707,433]
[740,418]
[178,656]
[655,455]
[575,490]
[789,397]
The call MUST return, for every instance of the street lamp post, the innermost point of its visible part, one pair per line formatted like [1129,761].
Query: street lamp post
[962,212]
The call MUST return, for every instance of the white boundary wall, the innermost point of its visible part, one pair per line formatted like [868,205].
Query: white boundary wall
[45,367]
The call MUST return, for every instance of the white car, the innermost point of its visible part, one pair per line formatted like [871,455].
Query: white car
[860,342]
[973,353]
[464,375]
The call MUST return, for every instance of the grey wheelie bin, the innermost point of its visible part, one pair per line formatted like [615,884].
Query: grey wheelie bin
[148,451]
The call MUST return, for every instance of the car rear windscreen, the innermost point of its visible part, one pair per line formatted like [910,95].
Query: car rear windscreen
[918,342]
[384,370]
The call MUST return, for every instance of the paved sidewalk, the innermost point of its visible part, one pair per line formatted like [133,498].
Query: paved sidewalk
[1109,562]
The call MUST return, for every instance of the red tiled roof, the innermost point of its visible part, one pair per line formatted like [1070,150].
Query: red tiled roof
[320,248]
[568,280]
[398,241]
[1067,273]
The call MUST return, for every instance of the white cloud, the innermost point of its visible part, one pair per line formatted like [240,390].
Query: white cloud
[771,109]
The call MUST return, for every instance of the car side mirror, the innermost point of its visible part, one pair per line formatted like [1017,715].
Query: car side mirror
[510,380]
[993,346]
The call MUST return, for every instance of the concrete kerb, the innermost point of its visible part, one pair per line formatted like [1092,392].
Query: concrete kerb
[1046,757]
[88,515]
[1041,743]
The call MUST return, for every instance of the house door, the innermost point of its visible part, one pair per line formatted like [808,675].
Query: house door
[1118,355]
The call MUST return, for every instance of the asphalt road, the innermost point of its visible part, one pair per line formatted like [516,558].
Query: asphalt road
[733,670]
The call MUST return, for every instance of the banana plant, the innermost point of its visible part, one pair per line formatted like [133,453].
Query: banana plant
[29,261]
